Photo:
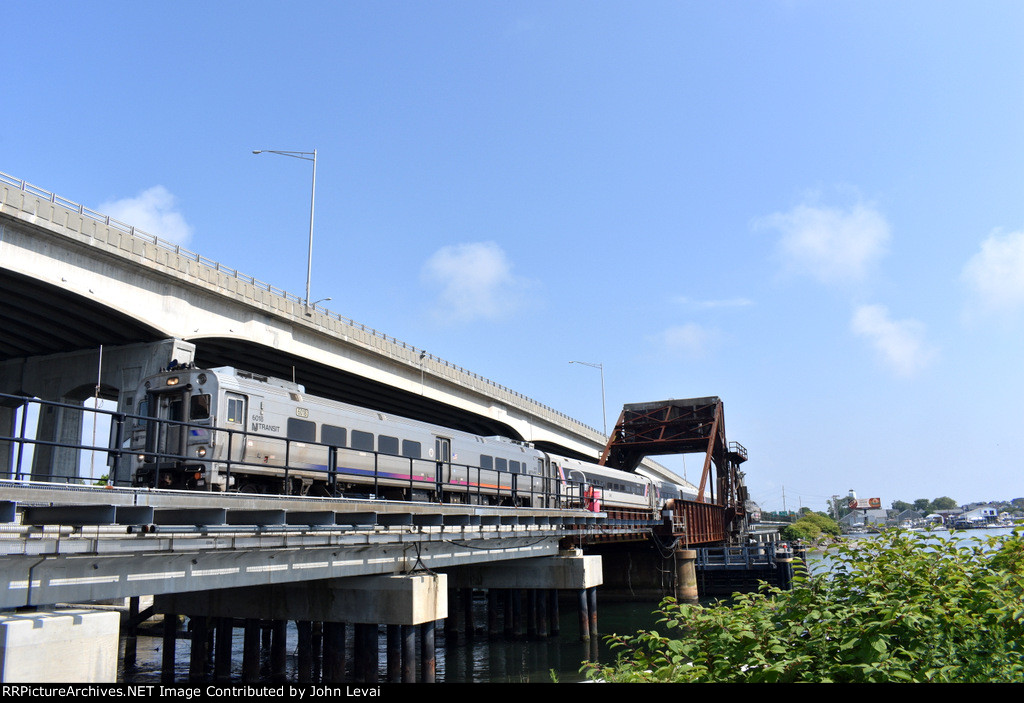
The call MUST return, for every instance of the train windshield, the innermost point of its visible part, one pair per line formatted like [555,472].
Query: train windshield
[199,407]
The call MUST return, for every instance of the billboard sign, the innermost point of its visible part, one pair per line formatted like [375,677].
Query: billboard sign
[865,503]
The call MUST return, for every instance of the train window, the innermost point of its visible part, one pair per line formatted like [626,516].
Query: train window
[301,430]
[387,445]
[486,462]
[199,407]
[411,449]
[513,466]
[236,411]
[334,436]
[362,441]
[501,464]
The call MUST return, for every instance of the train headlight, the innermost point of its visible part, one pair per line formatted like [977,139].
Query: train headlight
[201,451]
[173,381]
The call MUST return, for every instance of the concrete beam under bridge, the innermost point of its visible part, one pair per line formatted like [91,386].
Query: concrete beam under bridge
[389,600]
[571,571]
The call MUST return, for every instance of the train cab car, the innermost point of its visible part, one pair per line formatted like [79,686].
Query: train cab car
[226,429]
[171,435]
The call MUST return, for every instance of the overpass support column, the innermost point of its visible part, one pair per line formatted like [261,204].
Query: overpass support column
[72,378]
[62,425]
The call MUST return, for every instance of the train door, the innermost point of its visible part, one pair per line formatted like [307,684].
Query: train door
[545,485]
[443,460]
[164,438]
[236,416]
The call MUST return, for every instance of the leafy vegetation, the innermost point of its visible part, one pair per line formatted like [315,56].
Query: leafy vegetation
[897,607]
[810,527]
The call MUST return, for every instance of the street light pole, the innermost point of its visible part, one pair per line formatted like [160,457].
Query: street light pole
[305,156]
[604,413]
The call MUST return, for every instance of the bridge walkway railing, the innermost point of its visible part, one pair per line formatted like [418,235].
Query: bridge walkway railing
[124,457]
[745,557]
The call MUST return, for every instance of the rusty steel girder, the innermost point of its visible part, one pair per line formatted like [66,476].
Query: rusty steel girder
[695,425]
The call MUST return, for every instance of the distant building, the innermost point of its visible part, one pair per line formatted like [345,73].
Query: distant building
[864,518]
[983,515]
[947,517]
[909,517]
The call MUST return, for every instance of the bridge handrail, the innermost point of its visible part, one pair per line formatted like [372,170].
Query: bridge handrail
[179,250]
[567,491]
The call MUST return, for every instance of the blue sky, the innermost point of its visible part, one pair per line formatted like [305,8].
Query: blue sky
[811,209]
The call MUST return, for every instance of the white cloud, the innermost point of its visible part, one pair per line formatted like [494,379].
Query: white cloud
[476,282]
[828,244]
[153,212]
[900,343]
[996,272]
[691,340]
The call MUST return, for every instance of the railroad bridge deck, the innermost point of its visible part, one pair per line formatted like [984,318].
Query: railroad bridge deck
[80,544]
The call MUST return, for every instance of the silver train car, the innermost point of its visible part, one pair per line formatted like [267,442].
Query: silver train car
[229,430]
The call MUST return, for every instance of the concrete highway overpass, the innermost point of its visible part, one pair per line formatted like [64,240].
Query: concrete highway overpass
[73,279]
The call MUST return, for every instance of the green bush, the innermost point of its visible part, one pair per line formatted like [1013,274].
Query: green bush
[810,528]
[803,530]
[897,607]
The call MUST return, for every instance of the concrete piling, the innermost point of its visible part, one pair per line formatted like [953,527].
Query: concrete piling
[428,655]
[334,652]
[251,651]
[304,673]
[686,576]
[170,637]
[408,653]
[582,604]
[222,657]
[131,637]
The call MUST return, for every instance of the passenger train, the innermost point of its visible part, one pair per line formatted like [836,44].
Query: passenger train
[225,429]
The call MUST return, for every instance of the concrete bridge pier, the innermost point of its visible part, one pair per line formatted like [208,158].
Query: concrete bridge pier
[365,601]
[54,646]
[540,579]
[686,590]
